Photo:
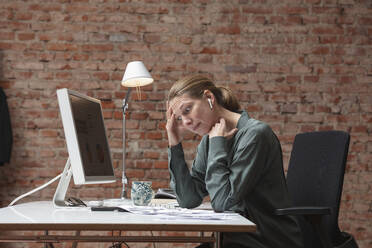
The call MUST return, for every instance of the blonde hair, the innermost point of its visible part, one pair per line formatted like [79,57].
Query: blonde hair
[195,85]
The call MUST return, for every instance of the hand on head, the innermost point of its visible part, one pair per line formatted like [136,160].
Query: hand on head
[174,128]
[220,129]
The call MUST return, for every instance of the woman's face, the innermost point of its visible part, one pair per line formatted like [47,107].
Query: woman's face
[193,114]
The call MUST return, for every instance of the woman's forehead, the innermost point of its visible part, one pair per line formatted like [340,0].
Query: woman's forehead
[178,101]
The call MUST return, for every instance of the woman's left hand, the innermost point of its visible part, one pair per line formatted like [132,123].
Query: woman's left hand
[219,129]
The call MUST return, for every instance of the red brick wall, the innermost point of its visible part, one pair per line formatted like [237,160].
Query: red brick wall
[298,65]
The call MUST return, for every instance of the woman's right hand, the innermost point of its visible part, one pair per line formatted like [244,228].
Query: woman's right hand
[174,128]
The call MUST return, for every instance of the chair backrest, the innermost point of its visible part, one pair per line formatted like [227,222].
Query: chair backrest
[316,173]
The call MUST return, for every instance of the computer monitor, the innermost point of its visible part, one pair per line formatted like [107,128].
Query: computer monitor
[88,149]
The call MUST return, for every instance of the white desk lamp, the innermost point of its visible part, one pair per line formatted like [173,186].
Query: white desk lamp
[136,75]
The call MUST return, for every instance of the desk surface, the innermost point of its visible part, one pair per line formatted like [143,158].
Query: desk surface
[43,216]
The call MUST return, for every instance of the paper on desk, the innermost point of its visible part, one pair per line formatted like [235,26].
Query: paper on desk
[179,213]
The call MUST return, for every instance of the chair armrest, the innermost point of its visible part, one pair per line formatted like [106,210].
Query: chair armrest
[314,216]
[303,211]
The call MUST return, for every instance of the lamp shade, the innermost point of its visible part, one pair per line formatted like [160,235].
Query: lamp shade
[136,75]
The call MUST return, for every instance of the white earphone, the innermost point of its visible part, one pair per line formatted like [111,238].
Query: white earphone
[210,103]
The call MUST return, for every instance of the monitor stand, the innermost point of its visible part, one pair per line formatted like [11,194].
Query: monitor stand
[64,182]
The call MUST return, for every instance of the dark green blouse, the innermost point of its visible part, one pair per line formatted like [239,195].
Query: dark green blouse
[243,174]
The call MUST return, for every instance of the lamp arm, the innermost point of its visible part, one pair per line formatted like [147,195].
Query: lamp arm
[124,179]
[126,99]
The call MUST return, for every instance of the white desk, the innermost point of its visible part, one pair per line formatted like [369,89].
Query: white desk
[42,216]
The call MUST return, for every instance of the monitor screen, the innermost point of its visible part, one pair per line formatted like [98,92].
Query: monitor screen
[86,138]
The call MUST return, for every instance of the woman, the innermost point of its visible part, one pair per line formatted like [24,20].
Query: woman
[238,163]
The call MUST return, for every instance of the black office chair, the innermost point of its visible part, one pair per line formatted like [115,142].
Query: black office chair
[315,178]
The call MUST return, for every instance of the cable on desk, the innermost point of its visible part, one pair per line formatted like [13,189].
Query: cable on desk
[35,190]
[75,202]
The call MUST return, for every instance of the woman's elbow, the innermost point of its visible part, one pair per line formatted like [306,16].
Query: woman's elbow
[221,205]
[189,203]
[217,205]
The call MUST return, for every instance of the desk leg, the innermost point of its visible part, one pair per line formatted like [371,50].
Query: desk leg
[48,245]
[217,243]
[75,243]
